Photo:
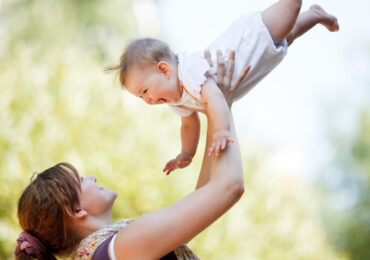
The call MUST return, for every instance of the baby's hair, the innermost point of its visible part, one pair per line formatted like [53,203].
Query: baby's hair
[141,52]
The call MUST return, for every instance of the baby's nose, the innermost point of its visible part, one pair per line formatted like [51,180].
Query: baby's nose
[149,101]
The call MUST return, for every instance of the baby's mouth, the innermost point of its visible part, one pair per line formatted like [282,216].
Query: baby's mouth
[162,100]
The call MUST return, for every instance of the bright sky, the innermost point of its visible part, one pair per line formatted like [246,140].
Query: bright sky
[322,71]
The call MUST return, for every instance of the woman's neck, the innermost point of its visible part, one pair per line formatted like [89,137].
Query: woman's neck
[93,223]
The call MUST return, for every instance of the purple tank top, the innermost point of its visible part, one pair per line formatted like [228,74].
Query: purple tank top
[101,253]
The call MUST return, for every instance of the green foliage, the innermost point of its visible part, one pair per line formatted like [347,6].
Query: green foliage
[56,104]
[275,219]
[349,224]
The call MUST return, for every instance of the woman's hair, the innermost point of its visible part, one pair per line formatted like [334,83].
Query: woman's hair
[141,52]
[44,208]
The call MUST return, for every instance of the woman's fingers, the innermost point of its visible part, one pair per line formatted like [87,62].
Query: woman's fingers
[207,56]
[230,140]
[210,151]
[223,144]
[242,75]
[230,69]
[211,148]
[220,68]
[218,148]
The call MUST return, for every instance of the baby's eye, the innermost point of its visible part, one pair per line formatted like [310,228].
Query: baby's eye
[146,90]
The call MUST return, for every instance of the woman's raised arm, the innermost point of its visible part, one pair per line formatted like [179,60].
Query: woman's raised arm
[157,233]
[228,87]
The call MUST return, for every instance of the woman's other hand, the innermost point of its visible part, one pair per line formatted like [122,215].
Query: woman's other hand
[224,75]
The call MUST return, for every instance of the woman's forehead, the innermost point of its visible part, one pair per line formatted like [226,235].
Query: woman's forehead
[75,175]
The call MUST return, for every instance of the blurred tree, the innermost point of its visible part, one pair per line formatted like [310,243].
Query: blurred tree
[52,55]
[276,218]
[347,207]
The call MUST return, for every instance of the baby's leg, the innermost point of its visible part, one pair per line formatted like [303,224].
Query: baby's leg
[306,20]
[280,18]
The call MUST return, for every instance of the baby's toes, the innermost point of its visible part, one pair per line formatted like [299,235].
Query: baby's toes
[331,23]
[335,26]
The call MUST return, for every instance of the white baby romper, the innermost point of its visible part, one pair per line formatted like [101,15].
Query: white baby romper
[250,39]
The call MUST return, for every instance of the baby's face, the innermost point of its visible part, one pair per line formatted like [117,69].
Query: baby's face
[153,85]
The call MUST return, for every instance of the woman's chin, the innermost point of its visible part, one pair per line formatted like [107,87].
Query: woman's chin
[110,200]
[111,197]
[114,195]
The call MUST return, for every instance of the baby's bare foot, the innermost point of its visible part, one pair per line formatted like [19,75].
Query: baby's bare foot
[327,20]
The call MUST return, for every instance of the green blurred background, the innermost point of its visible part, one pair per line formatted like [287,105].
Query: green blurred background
[57,104]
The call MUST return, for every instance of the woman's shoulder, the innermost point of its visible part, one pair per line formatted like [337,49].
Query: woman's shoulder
[87,246]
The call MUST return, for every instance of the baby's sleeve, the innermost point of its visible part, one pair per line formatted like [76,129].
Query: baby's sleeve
[192,72]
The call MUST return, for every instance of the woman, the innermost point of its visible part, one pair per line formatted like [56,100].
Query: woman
[67,215]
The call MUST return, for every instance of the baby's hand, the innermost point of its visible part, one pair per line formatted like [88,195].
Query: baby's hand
[181,161]
[219,141]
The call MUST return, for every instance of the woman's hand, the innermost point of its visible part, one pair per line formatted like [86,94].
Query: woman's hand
[224,79]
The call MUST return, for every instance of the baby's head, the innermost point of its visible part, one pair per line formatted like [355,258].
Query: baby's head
[148,69]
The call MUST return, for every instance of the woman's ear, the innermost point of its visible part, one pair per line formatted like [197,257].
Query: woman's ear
[77,213]
[164,68]
[80,213]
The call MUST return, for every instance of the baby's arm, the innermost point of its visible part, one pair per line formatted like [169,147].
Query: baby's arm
[218,111]
[190,130]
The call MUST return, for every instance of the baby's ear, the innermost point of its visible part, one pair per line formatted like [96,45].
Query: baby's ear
[164,68]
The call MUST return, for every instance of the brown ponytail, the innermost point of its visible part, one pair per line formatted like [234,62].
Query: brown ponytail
[24,256]
[43,210]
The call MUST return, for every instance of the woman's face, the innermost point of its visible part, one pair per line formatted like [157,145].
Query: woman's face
[95,199]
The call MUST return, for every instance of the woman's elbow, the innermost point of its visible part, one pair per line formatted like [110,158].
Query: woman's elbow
[237,188]
[240,190]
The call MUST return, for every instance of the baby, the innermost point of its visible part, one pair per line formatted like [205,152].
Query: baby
[152,72]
